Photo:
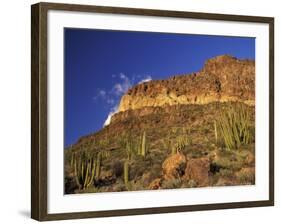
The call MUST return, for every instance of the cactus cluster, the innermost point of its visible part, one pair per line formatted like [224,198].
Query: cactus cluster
[234,126]
[86,168]
[132,147]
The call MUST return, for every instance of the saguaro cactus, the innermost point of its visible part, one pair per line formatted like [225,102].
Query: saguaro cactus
[72,160]
[143,145]
[139,143]
[216,131]
[174,149]
[129,149]
[126,172]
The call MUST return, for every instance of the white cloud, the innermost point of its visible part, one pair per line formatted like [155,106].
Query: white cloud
[119,89]
[102,93]
[110,101]
[146,79]
[122,87]
[123,76]
[113,111]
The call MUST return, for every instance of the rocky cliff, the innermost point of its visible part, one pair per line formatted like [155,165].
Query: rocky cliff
[223,78]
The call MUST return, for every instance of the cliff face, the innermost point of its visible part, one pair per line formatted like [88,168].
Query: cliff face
[222,79]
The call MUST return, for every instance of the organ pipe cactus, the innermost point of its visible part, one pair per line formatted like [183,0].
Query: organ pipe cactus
[98,168]
[234,126]
[86,169]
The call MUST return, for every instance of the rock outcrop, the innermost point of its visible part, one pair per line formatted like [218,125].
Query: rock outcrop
[223,78]
[174,166]
[188,169]
[198,170]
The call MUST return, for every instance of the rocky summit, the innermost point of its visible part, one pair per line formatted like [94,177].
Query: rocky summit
[222,79]
[190,130]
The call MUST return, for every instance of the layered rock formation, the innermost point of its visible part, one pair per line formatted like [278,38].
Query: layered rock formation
[223,78]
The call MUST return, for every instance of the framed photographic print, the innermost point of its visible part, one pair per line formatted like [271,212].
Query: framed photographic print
[139,111]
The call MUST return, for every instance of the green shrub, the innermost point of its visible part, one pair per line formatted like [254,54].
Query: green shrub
[190,184]
[226,173]
[246,177]
[117,168]
[171,184]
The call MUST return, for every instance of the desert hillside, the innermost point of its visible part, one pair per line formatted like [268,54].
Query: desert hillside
[191,130]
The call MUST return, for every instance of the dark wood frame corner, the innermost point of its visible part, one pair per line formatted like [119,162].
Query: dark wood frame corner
[39,110]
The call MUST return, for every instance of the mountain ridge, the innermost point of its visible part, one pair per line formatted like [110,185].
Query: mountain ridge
[223,78]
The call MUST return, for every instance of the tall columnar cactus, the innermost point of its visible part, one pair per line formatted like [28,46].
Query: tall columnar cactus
[98,168]
[143,145]
[129,149]
[216,131]
[179,144]
[139,144]
[126,172]
[90,173]
[72,160]
[86,168]
[234,126]
[84,171]
[174,149]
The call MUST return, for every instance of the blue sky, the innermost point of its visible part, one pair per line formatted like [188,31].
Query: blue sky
[100,66]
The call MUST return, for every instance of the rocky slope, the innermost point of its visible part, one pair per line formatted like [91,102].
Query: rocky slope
[223,78]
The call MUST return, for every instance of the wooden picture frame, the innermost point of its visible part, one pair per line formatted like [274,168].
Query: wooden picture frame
[39,109]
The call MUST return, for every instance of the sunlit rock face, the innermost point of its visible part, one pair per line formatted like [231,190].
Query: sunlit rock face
[222,79]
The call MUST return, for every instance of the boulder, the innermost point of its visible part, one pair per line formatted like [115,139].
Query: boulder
[198,170]
[174,166]
[147,178]
[106,177]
